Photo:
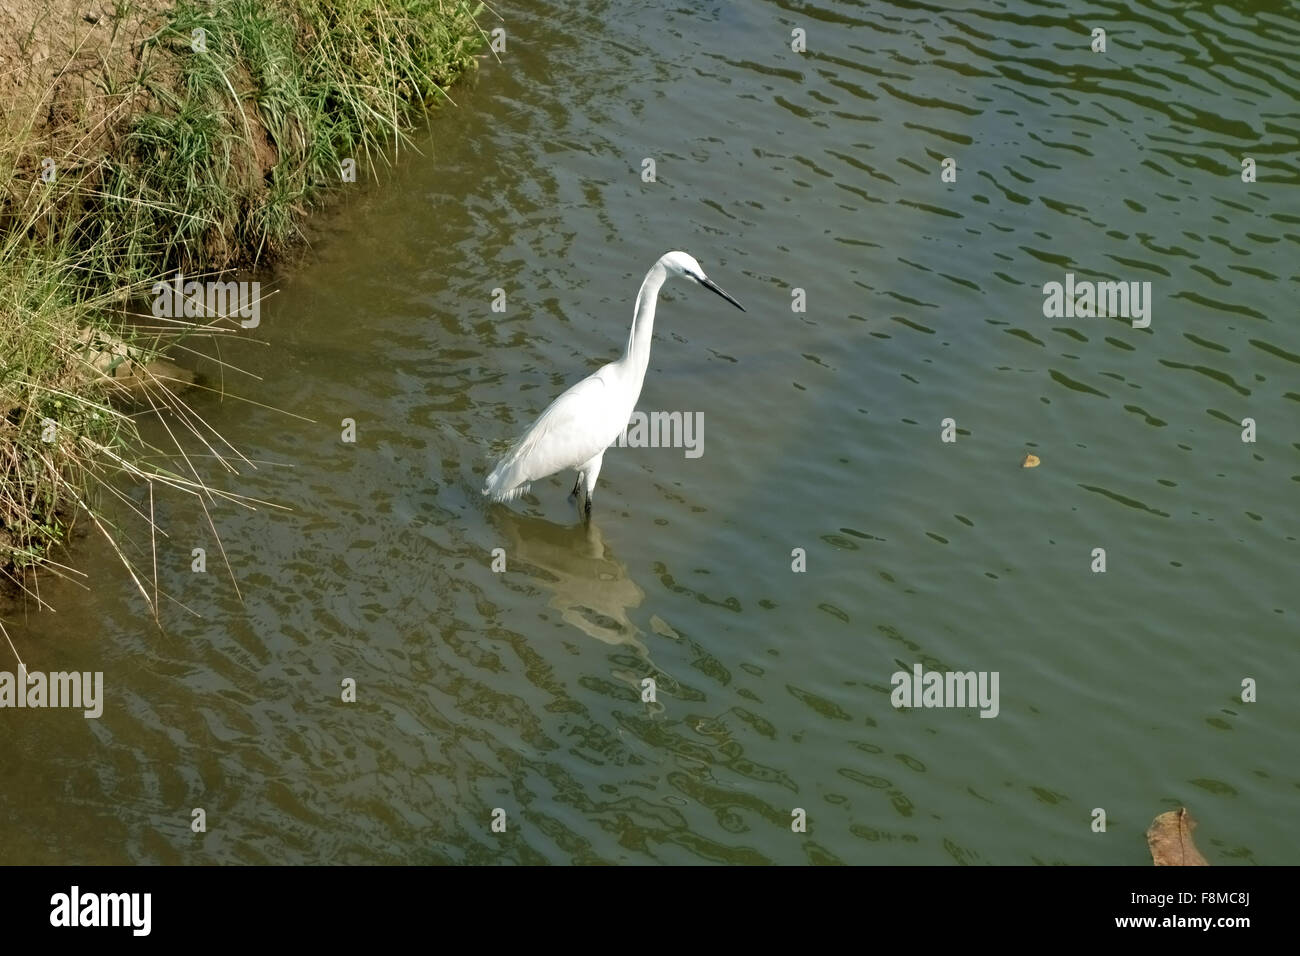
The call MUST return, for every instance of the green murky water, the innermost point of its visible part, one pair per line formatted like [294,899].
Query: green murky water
[821,171]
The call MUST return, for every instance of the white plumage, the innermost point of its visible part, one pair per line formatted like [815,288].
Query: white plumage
[577,427]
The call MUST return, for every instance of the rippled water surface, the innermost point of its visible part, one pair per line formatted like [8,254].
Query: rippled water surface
[778,171]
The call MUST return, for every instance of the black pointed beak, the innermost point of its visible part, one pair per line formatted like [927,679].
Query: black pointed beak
[713,287]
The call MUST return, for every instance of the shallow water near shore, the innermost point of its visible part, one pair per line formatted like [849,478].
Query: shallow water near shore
[523,690]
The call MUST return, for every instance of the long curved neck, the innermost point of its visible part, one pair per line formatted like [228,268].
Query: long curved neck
[637,355]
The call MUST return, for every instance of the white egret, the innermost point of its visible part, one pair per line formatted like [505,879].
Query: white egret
[577,427]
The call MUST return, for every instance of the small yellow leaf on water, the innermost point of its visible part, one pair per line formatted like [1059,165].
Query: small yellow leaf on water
[1170,840]
[1031,461]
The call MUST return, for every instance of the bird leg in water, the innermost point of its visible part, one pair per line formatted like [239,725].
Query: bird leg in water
[576,485]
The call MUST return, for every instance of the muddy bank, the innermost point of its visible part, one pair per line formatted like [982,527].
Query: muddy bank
[140,140]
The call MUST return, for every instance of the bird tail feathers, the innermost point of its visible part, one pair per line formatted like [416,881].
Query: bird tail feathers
[506,482]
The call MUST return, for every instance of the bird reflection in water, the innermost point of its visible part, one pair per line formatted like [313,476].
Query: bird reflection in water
[589,587]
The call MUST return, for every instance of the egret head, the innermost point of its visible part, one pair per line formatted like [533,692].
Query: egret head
[682,264]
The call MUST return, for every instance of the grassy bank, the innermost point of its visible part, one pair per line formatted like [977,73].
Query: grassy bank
[192,136]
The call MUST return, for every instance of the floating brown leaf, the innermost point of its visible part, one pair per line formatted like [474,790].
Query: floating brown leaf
[1170,840]
[1031,461]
